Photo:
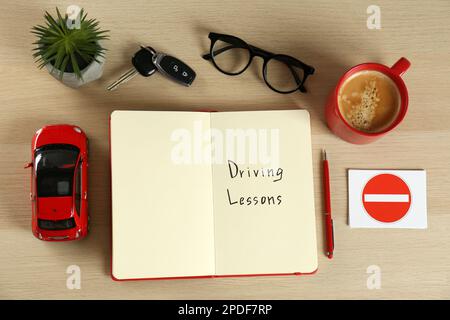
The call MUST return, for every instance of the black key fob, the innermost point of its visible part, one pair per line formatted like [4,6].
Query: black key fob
[143,61]
[174,69]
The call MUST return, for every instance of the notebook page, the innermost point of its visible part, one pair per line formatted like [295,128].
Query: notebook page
[264,220]
[161,210]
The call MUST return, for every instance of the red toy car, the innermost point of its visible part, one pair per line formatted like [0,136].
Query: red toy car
[59,183]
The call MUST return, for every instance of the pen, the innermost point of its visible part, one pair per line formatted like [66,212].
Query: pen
[328,220]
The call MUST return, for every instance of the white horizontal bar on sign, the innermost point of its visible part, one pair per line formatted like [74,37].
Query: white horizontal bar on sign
[386,197]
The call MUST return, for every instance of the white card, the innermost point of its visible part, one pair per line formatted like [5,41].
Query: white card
[387,199]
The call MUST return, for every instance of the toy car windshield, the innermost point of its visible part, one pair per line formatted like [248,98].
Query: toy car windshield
[55,167]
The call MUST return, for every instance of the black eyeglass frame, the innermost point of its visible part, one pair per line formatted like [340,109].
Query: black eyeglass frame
[236,42]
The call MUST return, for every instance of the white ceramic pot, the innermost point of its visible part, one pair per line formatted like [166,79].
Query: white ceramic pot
[92,72]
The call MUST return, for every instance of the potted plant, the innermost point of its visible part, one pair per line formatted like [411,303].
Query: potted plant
[71,51]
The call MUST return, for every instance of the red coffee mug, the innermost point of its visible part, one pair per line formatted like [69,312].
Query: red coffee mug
[336,121]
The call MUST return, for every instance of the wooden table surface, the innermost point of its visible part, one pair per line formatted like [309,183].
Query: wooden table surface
[332,36]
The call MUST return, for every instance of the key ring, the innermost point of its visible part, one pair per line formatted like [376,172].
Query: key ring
[149,49]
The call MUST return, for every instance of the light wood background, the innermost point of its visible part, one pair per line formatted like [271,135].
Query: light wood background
[330,35]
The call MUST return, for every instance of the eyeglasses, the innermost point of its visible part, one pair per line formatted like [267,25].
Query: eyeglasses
[232,56]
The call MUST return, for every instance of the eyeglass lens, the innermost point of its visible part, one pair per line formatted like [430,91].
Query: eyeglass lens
[282,76]
[230,56]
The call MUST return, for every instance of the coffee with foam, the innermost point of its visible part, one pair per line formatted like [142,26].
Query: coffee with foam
[369,101]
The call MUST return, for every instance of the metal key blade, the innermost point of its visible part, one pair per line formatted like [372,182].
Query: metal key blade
[127,76]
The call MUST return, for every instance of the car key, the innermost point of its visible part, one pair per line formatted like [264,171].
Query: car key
[142,64]
[174,68]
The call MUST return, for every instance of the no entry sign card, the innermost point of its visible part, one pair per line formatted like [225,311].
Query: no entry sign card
[387,199]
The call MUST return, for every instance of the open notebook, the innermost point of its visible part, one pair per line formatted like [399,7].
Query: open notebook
[211,194]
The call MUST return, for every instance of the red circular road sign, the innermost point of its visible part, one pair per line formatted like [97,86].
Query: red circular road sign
[386,198]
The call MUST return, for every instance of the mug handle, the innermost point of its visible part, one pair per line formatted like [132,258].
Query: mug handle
[401,66]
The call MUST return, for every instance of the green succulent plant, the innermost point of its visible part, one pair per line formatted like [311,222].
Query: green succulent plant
[68,49]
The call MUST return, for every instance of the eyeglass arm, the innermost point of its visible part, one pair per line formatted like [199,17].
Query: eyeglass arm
[217,52]
[221,50]
[297,79]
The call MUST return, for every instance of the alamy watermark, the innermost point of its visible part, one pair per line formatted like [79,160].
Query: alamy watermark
[199,145]
[374,278]
[74,279]
[374,18]
[73,17]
